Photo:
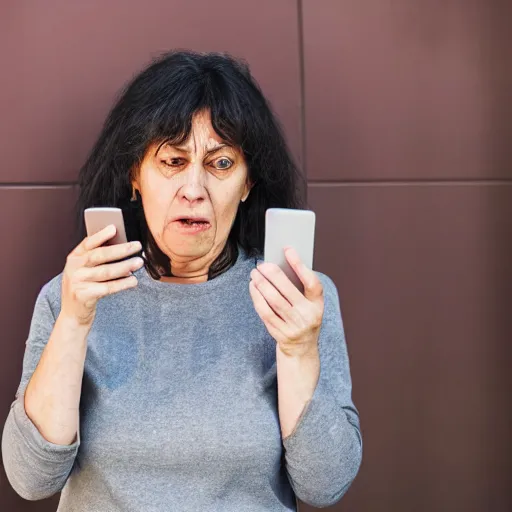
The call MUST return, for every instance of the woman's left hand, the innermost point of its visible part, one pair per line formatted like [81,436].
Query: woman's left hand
[292,318]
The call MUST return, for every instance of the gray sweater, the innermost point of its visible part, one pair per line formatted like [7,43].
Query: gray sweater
[178,409]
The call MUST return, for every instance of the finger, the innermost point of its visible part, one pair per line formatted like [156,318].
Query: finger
[274,299]
[111,253]
[313,289]
[112,287]
[109,271]
[281,282]
[93,241]
[264,310]
[95,291]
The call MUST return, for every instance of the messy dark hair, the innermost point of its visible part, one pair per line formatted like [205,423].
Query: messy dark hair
[158,106]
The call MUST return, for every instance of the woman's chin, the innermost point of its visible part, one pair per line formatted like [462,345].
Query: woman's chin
[190,249]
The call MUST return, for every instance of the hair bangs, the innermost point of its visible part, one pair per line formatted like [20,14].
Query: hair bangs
[172,117]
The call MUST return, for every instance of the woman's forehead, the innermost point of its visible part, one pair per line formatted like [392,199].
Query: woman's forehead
[202,133]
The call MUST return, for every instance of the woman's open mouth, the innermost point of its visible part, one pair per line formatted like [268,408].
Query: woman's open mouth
[191,226]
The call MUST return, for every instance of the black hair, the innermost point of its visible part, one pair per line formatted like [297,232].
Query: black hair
[158,105]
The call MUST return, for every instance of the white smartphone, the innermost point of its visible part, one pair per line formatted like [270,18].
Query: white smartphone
[98,218]
[287,227]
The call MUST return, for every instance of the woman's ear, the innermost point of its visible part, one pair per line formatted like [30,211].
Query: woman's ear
[247,190]
[135,185]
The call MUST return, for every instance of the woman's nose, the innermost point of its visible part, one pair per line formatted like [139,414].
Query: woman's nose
[193,188]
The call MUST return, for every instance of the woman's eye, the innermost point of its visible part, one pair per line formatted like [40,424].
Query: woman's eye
[174,162]
[222,163]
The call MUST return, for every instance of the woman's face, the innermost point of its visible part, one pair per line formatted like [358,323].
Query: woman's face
[190,195]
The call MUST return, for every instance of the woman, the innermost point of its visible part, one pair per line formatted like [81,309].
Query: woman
[194,377]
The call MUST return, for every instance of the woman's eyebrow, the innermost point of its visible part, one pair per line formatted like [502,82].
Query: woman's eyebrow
[217,147]
[208,151]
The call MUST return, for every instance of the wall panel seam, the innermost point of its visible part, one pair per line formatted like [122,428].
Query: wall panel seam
[22,186]
[302,96]
[408,183]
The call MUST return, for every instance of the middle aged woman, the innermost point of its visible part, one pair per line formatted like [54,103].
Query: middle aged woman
[196,377]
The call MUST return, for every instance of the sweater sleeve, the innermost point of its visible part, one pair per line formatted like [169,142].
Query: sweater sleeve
[35,467]
[323,453]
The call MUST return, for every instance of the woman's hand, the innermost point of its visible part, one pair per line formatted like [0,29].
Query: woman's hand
[90,275]
[293,319]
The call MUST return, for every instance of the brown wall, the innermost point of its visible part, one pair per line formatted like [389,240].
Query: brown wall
[399,113]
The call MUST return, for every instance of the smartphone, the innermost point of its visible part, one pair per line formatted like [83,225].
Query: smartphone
[288,227]
[98,218]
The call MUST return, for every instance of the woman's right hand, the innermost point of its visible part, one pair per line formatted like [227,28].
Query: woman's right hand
[89,274]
